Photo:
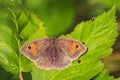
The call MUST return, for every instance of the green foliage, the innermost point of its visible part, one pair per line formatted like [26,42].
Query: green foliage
[18,27]
[57,15]
[80,71]
[4,75]
[110,3]
[8,51]
[104,75]
[99,35]
[30,28]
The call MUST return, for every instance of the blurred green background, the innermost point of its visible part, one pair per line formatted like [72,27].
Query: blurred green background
[61,16]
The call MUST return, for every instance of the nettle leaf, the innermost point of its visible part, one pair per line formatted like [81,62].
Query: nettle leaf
[74,72]
[8,50]
[33,28]
[38,74]
[104,75]
[98,35]
[17,26]
[30,28]
[80,71]
[6,17]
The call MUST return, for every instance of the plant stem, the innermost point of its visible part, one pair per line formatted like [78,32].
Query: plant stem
[20,76]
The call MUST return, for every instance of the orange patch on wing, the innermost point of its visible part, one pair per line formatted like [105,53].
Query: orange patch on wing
[33,48]
[73,47]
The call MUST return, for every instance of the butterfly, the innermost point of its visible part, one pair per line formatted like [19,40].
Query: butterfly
[53,53]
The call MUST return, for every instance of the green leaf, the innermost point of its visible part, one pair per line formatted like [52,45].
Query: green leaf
[75,72]
[104,75]
[80,71]
[98,35]
[30,28]
[5,19]
[38,74]
[8,51]
[11,35]
[33,29]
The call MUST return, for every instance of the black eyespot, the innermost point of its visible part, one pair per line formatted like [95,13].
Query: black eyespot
[77,46]
[29,47]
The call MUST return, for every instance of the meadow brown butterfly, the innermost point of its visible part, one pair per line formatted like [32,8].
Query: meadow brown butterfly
[53,53]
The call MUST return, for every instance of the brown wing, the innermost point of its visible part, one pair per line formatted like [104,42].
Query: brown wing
[62,61]
[33,49]
[45,55]
[53,58]
[73,49]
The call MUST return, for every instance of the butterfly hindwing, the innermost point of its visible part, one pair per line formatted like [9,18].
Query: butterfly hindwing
[53,58]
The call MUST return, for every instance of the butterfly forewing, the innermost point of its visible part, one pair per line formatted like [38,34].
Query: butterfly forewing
[33,49]
[72,48]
